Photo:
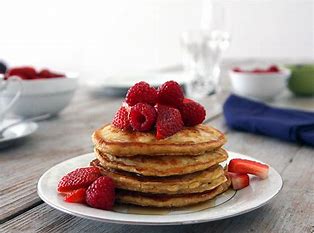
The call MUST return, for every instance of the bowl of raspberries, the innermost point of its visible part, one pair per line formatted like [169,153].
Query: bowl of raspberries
[43,91]
[259,83]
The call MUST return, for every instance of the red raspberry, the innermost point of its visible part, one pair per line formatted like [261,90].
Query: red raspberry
[192,113]
[169,121]
[23,72]
[142,117]
[273,68]
[45,73]
[170,93]
[79,178]
[76,196]
[101,193]
[141,93]
[237,69]
[121,119]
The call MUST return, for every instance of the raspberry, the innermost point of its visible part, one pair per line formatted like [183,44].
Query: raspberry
[169,121]
[23,72]
[45,73]
[170,93]
[192,113]
[101,193]
[142,117]
[141,93]
[121,119]
[76,196]
[79,178]
[273,68]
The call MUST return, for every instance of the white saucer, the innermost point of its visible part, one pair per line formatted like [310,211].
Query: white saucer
[227,205]
[17,132]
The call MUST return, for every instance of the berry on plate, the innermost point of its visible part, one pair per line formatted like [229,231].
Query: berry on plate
[245,166]
[76,196]
[79,178]
[101,193]
[169,121]
[239,181]
[142,117]
[141,92]
[170,93]
[121,118]
[192,113]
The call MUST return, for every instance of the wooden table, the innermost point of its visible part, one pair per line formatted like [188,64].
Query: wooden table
[68,135]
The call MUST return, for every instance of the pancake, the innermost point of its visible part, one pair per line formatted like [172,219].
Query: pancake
[177,200]
[189,141]
[191,183]
[162,165]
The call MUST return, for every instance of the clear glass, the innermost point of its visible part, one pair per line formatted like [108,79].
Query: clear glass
[202,50]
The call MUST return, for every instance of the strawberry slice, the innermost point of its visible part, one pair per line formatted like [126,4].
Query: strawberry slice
[245,166]
[239,181]
[79,178]
[76,196]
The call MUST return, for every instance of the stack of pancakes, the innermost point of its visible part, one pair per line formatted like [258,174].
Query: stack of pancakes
[177,171]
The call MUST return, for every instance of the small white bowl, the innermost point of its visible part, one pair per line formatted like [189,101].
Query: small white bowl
[263,86]
[43,96]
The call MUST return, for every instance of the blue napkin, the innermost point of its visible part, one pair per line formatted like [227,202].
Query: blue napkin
[290,125]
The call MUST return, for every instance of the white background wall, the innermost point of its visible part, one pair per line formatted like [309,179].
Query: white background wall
[99,37]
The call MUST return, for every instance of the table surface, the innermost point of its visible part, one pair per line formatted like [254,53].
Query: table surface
[68,135]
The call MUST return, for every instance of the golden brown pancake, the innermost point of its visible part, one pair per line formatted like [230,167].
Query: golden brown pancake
[163,200]
[189,141]
[162,165]
[190,183]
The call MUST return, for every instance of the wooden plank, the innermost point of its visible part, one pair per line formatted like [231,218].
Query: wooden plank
[57,139]
[291,211]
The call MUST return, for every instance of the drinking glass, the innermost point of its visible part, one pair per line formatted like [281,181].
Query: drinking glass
[202,50]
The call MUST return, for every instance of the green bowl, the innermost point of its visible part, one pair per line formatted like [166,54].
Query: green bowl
[301,81]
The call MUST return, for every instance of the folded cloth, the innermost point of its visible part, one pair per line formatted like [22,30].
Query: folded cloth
[286,124]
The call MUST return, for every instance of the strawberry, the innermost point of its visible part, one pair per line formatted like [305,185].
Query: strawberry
[79,178]
[169,121]
[76,196]
[141,93]
[101,193]
[239,181]
[45,73]
[121,119]
[24,72]
[170,93]
[245,166]
[142,117]
[192,113]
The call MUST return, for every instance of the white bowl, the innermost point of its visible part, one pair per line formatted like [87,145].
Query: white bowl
[261,86]
[43,96]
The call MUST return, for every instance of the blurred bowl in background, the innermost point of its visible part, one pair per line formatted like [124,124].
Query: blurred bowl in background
[263,86]
[42,96]
[301,81]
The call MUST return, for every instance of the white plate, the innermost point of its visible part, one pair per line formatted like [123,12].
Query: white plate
[17,132]
[227,205]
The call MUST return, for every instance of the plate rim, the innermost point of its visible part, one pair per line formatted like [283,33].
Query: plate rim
[126,222]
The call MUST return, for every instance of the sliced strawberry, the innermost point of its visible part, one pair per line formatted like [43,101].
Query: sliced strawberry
[245,166]
[76,196]
[79,178]
[239,181]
